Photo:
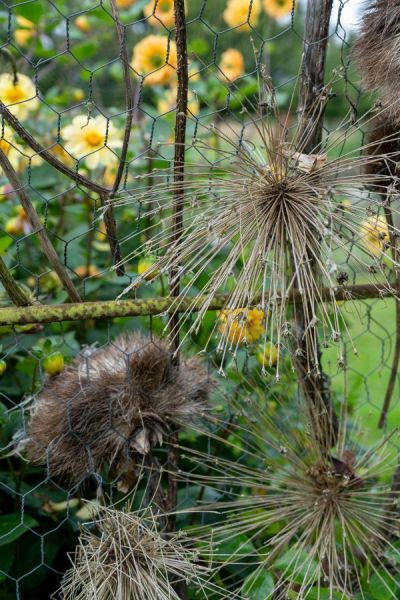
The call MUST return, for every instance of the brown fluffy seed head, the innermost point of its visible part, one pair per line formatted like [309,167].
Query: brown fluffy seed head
[126,557]
[377,52]
[113,404]
[383,140]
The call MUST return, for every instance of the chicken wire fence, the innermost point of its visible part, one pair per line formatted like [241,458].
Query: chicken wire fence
[100,111]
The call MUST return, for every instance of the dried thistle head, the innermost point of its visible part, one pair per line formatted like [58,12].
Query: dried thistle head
[113,404]
[318,519]
[265,224]
[377,52]
[124,556]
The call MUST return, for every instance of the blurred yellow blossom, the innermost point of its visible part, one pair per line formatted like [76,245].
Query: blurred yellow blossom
[124,3]
[19,224]
[92,140]
[242,325]
[231,65]
[83,24]
[161,13]
[19,96]
[155,58]
[87,271]
[375,234]
[278,8]
[242,14]
[25,30]
[168,102]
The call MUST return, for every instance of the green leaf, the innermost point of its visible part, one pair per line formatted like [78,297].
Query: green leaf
[5,242]
[297,565]
[85,50]
[382,586]
[12,526]
[6,560]
[325,594]
[32,11]
[258,586]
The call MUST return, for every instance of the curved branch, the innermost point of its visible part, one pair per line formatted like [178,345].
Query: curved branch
[15,124]
[129,94]
[14,292]
[37,225]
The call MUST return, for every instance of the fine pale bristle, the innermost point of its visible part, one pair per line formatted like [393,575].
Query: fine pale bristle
[383,140]
[276,217]
[124,556]
[377,52]
[112,405]
[319,520]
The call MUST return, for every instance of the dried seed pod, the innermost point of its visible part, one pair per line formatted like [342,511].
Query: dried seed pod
[113,404]
[126,557]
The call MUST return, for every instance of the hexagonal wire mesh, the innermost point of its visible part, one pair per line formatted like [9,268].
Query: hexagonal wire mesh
[91,95]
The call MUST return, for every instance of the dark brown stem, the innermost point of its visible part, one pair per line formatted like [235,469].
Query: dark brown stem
[396,356]
[177,216]
[15,293]
[36,224]
[111,231]
[179,155]
[15,124]
[314,383]
[11,59]
[129,94]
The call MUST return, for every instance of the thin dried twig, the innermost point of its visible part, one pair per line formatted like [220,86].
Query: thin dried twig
[16,125]
[14,291]
[37,225]
[129,94]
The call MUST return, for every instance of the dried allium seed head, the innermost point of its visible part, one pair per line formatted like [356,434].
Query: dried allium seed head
[112,404]
[126,557]
[267,227]
[377,52]
[319,518]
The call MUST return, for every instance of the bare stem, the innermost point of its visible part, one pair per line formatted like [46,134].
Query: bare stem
[37,225]
[15,293]
[54,313]
[129,94]
[15,124]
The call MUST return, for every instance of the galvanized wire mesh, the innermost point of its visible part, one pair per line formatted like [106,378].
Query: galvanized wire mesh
[74,56]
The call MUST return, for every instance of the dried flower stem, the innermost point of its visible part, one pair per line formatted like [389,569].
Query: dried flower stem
[37,225]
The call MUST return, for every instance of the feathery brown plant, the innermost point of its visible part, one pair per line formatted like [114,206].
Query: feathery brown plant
[112,405]
[321,521]
[124,556]
[377,52]
[274,218]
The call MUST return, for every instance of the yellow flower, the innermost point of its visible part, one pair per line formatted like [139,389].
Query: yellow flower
[83,24]
[155,58]
[87,271]
[92,140]
[242,325]
[19,224]
[20,96]
[58,151]
[375,234]
[22,36]
[160,13]
[278,8]
[168,102]
[231,65]
[124,3]
[238,14]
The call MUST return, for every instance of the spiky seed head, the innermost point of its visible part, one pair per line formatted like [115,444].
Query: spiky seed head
[123,555]
[113,404]
[267,221]
[319,518]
